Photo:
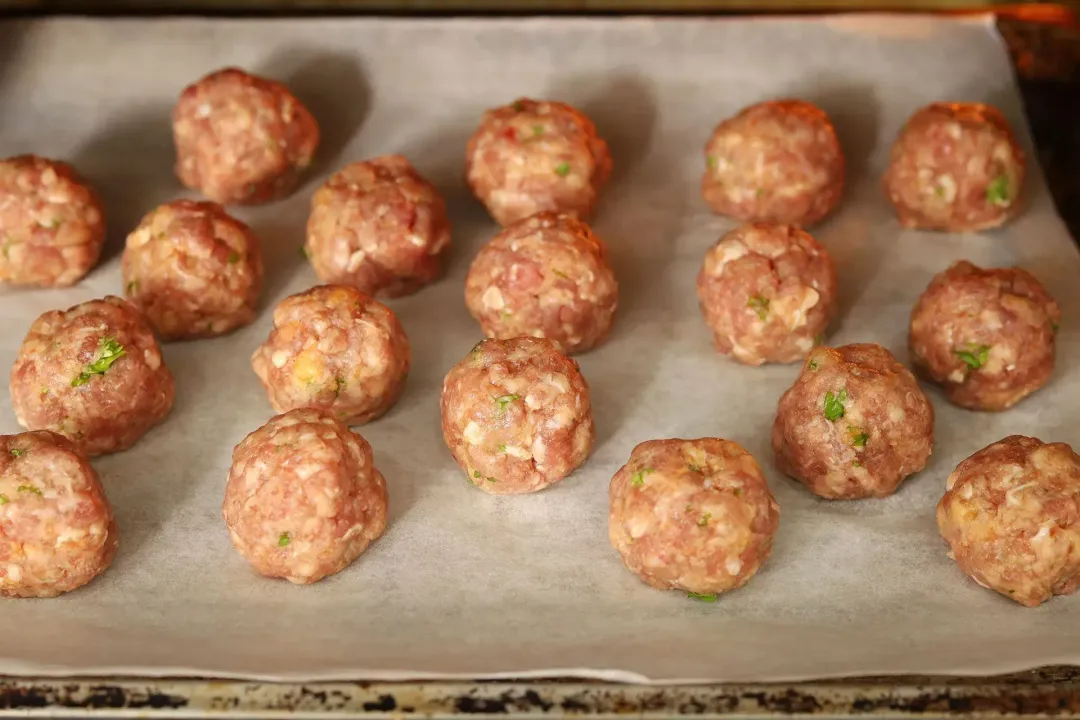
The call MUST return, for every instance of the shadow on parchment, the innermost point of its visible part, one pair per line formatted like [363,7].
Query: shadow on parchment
[12,36]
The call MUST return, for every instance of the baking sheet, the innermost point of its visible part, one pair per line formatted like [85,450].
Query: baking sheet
[465,585]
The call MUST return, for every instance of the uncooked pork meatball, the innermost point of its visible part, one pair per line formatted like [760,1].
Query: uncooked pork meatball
[516,415]
[335,348]
[242,139]
[955,167]
[768,292]
[532,156]
[693,515]
[777,161]
[987,336]
[94,374]
[304,499]
[1011,516]
[193,271]
[546,276]
[378,226]
[52,225]
[854,424]
[57,530]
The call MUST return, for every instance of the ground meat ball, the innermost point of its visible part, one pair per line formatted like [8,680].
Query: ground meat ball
[1011,516]
[93,373]
[193,271]
[57,530]
[52,225]
[693,515]
[335,348]
[546,276]
[379,226]
[986,335]
[768,292]
[304,499]
[955,167]
[241,138]
[777,161]
[854,424]
[516,415]
[532,156]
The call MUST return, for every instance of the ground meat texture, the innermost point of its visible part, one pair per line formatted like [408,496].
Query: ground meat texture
[854,424]
[955,167]
[693,515]
[768,292]
[530,156]
[546,276]
[334,348]
[304,499]
[1011,516]
[777,161]
[242,139]
[516,415]
[93,373]
[57,530]
[193,271]
[987,336]
[52,224]
[379,226]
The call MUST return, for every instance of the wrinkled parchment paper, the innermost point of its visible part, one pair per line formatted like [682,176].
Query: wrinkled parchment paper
[468,585]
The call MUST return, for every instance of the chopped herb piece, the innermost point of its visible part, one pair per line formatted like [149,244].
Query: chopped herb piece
[562,169]
[132,287]
[819,339]
[234,257]
[1054,326]
[476,474]
[304,252]
[695,468]
[44,391]
[997,192]
[518,105]
[284,539]
[858,437]
[507,313]
[7,247]
[502,448]
[813,365]
[505,400]
[939,191]
[760,192]
[339,385]
[704,520]
[638,478]
[701,597]
[738,492]
[30,489]
[15,452]
[476,347]
[3,499]
[559,273]
[760,305]
[52,224]
[856,464]
[492,480]
[689,507]
[975,356]
[834,405]
[538,130]
[109,351]
[710,161]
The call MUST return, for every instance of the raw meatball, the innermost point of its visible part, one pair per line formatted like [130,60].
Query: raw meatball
[93,373]
[193,271]
[304,499]
[335,348]
[241,138]
[768,292]
[693,515]
[57,530]
[1011,516]
[854,424]
[955,167]
[379,226]
[516,415]
[777,161]
[532,156]
[986,335]
[52,225]
[546,276]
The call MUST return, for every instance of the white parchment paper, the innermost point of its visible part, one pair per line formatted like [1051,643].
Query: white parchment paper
[468,585]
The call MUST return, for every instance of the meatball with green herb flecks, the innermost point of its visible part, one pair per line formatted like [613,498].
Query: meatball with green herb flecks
[516,415]
[854,424]
[987,336]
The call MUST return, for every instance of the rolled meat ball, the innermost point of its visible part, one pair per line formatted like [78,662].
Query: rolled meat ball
[987,336]
[778,161]
[242,139]
[1009,515]
[531,156]
[516,415]
[193,271]
[546,276]
[768,292]
[52,224]
[337,349]
[692,515]
[94,374]
[955,167]
[854,424]
[57,530]
[378,226]
[303,498]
